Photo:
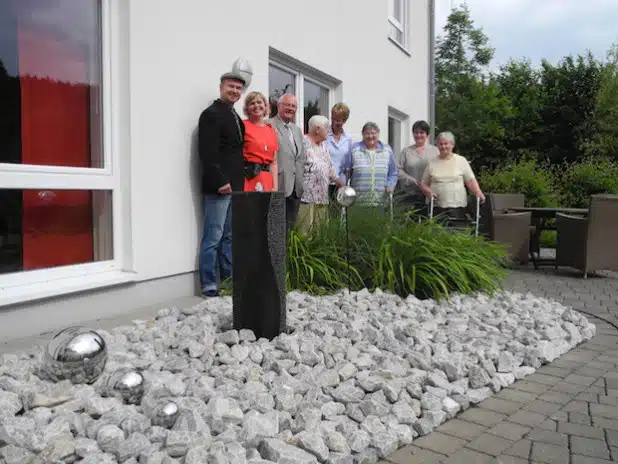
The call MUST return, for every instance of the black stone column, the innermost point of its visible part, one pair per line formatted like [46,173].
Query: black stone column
[258,260]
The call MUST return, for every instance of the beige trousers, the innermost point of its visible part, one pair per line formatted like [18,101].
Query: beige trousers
[311,215]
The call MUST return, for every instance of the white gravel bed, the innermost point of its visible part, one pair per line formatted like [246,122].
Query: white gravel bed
[360,376]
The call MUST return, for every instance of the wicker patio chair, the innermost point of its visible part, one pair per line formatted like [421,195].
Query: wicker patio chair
[510,229]
[591,243]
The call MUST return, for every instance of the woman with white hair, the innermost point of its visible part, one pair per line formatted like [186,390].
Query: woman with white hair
[318,174]
[446,178]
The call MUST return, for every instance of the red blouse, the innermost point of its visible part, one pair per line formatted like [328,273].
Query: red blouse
[260,143]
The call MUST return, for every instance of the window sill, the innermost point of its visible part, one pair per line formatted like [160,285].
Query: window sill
[63,286]
[399,46]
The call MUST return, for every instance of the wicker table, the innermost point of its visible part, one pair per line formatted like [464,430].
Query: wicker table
[542,220]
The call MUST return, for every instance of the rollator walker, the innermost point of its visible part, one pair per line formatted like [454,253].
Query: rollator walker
[473,215]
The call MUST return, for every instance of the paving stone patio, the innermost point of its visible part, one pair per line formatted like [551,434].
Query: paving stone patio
[565,413]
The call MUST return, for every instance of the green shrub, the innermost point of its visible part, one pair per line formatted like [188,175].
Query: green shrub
[398,256]
[528,176]
[592,175]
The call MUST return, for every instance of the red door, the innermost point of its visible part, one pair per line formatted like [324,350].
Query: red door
[57,225]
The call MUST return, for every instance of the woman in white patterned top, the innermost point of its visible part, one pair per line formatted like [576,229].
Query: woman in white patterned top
[447,177]
[319,173]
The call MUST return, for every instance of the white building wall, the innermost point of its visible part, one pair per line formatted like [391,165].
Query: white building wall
[169,56]
[177,56]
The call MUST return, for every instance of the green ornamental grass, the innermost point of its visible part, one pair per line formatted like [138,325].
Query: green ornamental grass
[399,256]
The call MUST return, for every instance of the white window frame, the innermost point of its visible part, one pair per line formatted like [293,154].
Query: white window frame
[29,285]
[403,120]
[302,72]
[401,24]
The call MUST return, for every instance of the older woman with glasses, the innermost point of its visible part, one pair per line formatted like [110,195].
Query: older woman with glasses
[372,166]
[319,172]
[446,178]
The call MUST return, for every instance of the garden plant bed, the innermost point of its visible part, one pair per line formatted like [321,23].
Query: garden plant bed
[360,376]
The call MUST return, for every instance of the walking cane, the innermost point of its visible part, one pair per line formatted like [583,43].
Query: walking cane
[477,216]
[431,207]
[390,199]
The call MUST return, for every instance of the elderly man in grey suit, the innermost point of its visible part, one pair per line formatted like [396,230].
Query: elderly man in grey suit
[290,157]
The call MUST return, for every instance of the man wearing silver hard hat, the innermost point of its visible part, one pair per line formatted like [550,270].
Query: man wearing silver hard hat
[220,140]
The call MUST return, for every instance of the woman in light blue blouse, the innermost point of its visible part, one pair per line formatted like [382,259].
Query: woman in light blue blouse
[373,167]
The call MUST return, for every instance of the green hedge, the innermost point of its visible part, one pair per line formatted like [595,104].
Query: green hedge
[529,177]
[570,185]
[593,175]
[399,256]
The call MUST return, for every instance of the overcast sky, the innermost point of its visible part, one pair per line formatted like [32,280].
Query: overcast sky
[538,29]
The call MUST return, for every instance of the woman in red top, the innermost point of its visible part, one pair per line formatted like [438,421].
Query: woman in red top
[260,148]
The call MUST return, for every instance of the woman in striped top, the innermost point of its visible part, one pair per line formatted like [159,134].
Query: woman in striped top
[373,167]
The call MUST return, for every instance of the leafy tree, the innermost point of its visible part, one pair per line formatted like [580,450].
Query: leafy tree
[519,82]
[570,94]
[467,103]
[605,140]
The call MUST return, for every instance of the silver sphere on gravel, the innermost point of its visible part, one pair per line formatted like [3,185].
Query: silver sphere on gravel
[127,385]
[165,414]
[77,354]
[346,196]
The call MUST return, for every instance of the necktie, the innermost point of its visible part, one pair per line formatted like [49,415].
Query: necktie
[291,136]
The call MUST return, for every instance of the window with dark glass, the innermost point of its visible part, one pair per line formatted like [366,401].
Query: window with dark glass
[51,115]
[280,82]
[315,101]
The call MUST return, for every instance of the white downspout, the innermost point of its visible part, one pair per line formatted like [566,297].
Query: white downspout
[432,67]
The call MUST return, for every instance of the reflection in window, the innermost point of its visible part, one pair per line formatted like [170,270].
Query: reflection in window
[50,82]
[279,82]
[49,228]
[394,134]
[315,101]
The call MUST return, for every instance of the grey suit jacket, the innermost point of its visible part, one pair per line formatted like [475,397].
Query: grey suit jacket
[290,161]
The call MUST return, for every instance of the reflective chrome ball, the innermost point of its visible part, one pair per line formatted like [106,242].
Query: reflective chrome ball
[77,354]
[346,196]
[165,414]
[243,67]
[127,385]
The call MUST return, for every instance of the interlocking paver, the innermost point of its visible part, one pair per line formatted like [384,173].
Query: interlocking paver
[559,372]
[589,447]
[531,387]
[578,459]
[555,397]
[517,395]
[548,453]
[580,430]
[490,444]
[440,443]
[604,410]
[415,455]
[527,418]
[482,416]
[580,379]
[578,418]
[520,449]
[462,429]
[546,436]
[576,406]
[505,459]
[568,387]
[542,406]
[509,430]
[501,405]
[468,456]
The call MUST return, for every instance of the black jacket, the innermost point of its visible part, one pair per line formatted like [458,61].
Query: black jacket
[219,145]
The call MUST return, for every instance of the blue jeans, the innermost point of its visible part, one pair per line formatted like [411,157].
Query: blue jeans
[216,247]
